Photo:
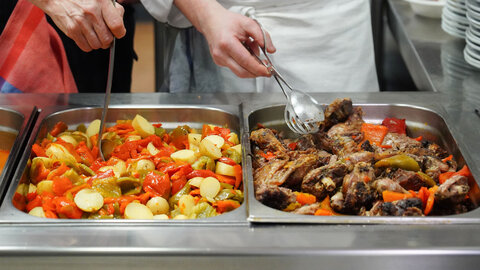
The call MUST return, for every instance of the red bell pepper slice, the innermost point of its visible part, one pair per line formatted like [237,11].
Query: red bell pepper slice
[228,161]
[158,185]
[67,207]
[395,125]
[61,184]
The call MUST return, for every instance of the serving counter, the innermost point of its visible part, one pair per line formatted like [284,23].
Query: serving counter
[433,57]
[249,245]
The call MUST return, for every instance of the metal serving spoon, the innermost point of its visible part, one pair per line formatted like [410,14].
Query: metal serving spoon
[303,114]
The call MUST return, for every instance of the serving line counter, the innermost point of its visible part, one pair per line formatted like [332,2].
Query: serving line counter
[443,244]
[434,58]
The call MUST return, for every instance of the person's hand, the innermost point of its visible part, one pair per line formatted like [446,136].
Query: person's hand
[227,34]
[92,24]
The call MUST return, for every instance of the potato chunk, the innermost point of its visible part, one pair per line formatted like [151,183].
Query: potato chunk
[209,149]
[184,155]
[142,126]
[89,200]
[135,210]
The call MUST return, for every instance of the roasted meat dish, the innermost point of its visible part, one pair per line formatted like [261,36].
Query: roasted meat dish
[351,167]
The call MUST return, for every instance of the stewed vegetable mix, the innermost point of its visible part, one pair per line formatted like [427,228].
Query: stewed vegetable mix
[150,173]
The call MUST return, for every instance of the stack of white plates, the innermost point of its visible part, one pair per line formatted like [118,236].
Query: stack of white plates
[472,37]
[455,68]
[454,18]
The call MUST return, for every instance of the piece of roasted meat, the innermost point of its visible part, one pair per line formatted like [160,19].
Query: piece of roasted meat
[356,168]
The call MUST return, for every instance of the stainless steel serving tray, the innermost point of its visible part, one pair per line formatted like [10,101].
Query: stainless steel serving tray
[429,121]
[169,115]
[15,120]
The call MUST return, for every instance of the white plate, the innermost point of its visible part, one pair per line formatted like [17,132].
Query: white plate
[473,21]
[472,5]
[455,24]
[452,31]
[457,9]
[462,19]
[472,61]
[426,8]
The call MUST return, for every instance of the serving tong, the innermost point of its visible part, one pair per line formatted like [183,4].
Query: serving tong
[303,114]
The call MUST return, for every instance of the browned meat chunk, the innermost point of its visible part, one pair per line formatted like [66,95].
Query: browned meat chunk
[362,172]
[406,207]
[338,111]
[299,168]
[356,192]
[408,180]
[273,173]
[362,156]
[400,141]
[358,196]
[306,142]
[265,139]
[349,128]
[382,184]
[435,149]
[433,166]
[324,180]
[274,196]
[453,191]
[286,173]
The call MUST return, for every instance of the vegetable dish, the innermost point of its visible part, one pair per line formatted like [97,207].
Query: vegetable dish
[150,173]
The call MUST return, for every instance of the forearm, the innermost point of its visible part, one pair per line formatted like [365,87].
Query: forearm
[199,12]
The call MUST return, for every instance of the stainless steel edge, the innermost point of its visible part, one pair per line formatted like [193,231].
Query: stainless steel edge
[28,115]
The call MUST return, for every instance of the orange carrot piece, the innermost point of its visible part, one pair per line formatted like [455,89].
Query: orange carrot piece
[58,128]
[430,200]
[238,175]
[225,179]
[226,205]
[374,133]
[38,150]
[447,158]
[58,171]
[323,212]
[391,196]
[444,176]
[305,198]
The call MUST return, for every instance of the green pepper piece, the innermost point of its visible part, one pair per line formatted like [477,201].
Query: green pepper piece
[74,177]
[204,210]
[159,131]
[176,197]
[82,128]
[426,179]
[107,187]
[129,185]
[50,137]
[400,161]
[224,194]
[204,163]
[232,154]
[84,169]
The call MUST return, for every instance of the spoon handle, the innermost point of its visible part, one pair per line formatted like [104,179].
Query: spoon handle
[107,97]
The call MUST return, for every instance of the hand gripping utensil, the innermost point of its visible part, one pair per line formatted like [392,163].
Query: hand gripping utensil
[107,97]
[303,114]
